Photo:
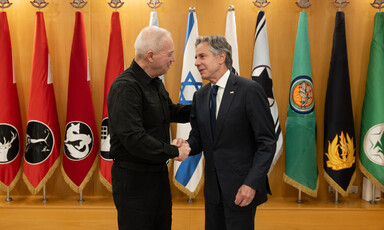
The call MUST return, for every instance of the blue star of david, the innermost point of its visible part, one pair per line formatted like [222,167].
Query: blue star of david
[189,80]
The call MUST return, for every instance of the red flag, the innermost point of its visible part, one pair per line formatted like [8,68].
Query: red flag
[10,119]
[42,147]
[81,142]
[115,66]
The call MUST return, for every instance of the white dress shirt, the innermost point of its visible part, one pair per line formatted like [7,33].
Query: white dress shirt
[221,83]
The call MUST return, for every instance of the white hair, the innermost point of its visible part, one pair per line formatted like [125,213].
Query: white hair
[150,38]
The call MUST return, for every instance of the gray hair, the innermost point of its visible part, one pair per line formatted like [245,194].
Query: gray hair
[217,45]
[150,38]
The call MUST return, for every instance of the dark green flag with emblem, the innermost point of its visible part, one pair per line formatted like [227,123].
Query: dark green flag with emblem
[339,132]
[300,155]
[371,160]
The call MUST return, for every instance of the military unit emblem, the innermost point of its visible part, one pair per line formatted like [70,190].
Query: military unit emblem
[39,142]
[105,146]
[78,141]
[9,143]
[374,144]
[341,152]
[301,95]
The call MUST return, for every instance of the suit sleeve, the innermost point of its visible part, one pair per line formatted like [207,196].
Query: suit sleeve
[194,139]
[262,124]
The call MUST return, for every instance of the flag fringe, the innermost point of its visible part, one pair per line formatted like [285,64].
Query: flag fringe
[183,189]
[14,182]
[337,187]
[370,177]
[301,187]
[105,182]
[50,172]
[80,188]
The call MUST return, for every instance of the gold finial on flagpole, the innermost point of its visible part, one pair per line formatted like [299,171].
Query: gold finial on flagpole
[39,4]
[154,4]
[340,4]
[116,4]
[261,3]
[192,9]
[78,4]
[231,8]
[378,4]
[5,4]
[303,4]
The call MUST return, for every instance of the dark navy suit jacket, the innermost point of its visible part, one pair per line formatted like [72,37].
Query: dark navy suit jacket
[244,144]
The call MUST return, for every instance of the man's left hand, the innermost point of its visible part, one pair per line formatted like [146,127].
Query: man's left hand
[244,195]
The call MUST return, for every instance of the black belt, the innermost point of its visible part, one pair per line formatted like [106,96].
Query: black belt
[141,167]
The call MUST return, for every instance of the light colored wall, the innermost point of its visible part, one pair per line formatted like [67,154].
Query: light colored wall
[282,19]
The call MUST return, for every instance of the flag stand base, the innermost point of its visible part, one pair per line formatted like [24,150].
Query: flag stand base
[81,200]
[336,201]
[44,200]
[8,199]
[190,200]
[299,201]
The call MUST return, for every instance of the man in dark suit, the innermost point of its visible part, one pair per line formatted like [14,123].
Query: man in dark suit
[234,128]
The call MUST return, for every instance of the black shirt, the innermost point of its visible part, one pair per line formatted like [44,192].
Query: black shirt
[139,112]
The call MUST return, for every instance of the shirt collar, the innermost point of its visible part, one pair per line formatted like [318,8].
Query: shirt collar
[222,82]
[143,76]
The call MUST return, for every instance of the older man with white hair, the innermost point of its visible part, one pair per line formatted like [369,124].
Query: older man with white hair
[139,111]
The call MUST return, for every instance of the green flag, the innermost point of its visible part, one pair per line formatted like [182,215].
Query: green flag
[371,160]
[300,155]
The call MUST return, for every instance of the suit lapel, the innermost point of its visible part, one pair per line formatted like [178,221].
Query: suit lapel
[229,94]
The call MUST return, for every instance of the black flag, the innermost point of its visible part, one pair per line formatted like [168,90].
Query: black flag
[339,133]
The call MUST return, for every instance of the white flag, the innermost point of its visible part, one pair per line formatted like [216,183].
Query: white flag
[261,72]
[154,21]
[231,36]
[188,174]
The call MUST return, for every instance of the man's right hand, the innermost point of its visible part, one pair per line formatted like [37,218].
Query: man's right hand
[184,151]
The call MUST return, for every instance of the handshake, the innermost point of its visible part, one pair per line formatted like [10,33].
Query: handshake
[184,149]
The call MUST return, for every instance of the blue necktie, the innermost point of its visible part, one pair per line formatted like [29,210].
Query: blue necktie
[213,108]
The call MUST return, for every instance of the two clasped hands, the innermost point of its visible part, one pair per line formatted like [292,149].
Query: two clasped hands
[184,149]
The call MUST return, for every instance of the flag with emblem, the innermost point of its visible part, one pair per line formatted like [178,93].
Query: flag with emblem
[339,133]
[42,147]
[10,119]
[371,160]
[81,141]
[261,72]
[300,153]
[188,174]
[115,66]
[231,36]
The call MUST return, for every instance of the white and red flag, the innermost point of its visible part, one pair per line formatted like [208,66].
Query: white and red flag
[115,66]
[81,141]
[42,148]
[10,119]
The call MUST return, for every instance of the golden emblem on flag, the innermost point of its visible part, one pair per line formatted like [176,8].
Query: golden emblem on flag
[345,159]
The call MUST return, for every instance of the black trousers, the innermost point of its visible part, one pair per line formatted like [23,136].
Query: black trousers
[222,217]
[142,199]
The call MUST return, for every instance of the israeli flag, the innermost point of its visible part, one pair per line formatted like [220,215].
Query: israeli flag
[188,174]
[261,72]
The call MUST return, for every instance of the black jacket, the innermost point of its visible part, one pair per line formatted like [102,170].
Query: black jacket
[139,112]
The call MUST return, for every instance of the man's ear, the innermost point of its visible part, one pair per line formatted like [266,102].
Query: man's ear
[222,56]
[149,55]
